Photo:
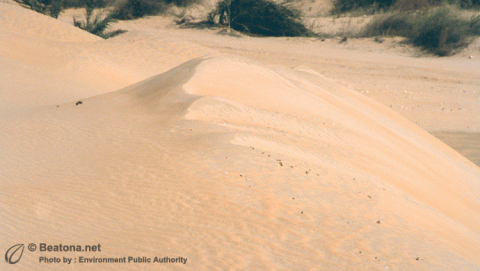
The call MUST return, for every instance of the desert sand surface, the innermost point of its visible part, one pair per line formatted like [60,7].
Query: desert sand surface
[232,152]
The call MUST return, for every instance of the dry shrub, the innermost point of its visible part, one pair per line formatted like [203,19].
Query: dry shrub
[410,5]
[47,7]
[442,31]
[133,9]
[393,24]
[98,23]
[260,17]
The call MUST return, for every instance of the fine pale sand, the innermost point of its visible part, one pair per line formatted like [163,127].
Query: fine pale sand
[180,148]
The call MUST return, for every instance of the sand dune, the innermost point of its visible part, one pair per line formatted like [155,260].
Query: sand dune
[219,159]
[65,63]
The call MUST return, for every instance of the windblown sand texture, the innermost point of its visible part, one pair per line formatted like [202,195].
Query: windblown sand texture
[179,150]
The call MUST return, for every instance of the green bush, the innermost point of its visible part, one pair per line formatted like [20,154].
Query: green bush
[260,17]
[97,24]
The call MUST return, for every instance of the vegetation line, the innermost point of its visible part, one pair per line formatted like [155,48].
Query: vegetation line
[439,29]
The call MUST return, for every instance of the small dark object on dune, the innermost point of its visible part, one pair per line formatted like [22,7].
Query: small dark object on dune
[79,102]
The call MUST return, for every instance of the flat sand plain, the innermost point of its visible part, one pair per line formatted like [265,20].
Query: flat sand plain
[233,152]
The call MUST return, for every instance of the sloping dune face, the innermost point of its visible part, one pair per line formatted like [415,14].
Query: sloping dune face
[48,62]
[234,165]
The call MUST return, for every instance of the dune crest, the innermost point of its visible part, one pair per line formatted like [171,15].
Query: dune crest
[318,126]
[334,129]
